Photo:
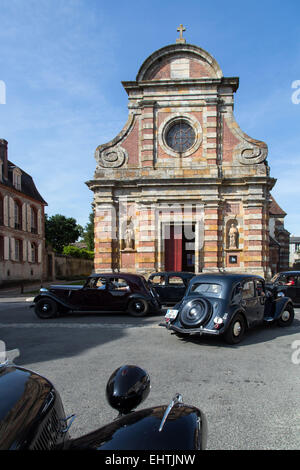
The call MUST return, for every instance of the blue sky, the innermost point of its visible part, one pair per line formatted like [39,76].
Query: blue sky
[63,61]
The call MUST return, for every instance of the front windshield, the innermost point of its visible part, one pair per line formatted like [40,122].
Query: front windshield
[274,278]
[205,288]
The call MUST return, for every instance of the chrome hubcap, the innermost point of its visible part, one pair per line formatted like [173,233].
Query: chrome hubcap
[138,306]
[285,315]
[45,307]
[237,328]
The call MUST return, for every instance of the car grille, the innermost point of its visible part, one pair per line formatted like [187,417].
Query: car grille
[48,434]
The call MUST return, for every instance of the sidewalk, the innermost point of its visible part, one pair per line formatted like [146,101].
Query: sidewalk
[28,290]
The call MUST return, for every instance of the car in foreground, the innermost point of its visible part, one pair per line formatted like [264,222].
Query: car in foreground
[227,304]
[287,282]
[32,416]
[104,292]
[170,286]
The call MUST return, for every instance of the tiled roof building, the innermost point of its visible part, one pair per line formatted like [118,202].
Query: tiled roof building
[22,233]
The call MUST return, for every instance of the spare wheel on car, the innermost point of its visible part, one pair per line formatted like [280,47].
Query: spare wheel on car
[195,312]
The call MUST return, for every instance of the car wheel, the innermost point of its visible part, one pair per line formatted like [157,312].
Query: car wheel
[287,316]
[46,308]
[138,307]
[236,330]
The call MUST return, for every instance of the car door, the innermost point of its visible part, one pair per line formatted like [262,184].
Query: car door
[118,291]
[159,284]
[249,300]
[175,289]
[260,293]
[95,295]
[293,289]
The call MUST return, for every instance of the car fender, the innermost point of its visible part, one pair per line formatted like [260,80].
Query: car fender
[139,296]
[231,315]
[184,429]
[52,296]
[280,305]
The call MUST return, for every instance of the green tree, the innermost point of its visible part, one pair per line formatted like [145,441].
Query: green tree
[61,231]
[88,233]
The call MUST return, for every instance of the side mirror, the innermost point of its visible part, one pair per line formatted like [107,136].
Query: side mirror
[127,387]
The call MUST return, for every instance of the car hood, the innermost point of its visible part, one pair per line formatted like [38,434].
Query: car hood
[64,287]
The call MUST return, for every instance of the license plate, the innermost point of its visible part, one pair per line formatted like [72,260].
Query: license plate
[171,314]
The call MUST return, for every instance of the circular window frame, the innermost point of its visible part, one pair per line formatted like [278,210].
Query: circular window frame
[166,126]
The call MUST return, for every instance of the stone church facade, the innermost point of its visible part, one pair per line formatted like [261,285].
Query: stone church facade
[182,187]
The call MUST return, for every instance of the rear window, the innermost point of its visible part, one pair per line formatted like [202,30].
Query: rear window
[176,281]
[209,289]
[158,280]
[118,284]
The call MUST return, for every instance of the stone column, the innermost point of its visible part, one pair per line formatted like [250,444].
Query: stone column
[256,247]
[147,238]
[147,136]
[105,237]
[212,259]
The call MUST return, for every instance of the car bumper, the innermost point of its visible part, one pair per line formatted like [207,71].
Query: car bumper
[190,331]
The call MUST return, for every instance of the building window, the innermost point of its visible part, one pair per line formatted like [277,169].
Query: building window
[1,248]
[180,136]
[18,215]
[33,252]
[33,216]
[17,179]
[1,210]
[18,250]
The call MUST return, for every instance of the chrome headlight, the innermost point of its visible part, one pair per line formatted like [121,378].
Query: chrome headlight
[218,322]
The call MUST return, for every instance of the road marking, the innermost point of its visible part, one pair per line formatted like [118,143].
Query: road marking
[75,325]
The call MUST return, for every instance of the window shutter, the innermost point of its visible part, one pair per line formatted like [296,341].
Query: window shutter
[6,248]
[39,227]
[40,253]
[11,212]
[29,251]
[24,250]
[24,225]
[13,249]
[5,210]
[28,218]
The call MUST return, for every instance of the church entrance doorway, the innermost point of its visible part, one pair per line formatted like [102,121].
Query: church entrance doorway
[179,247]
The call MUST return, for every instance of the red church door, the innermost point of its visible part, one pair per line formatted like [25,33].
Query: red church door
[173,249]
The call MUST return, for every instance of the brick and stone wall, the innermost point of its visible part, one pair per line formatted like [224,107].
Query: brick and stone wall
[220,181]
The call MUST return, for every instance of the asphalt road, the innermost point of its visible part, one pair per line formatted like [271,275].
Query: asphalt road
[249,392]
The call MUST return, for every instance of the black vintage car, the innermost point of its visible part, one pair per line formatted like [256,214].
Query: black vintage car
[112,292]
[287,282]
[170,286]
[32,416]
[227,304]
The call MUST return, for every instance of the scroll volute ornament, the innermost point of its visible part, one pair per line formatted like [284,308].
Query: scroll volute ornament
[253,155]
[113,157]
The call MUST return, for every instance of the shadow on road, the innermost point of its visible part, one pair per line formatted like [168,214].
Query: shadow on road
[65,337]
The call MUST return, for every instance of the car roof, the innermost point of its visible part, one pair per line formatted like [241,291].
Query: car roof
[129,276]
[173,273]
[225,278]
[291,273]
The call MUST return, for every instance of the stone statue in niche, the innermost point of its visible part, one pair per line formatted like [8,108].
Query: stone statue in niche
[128,240]
[233,236]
